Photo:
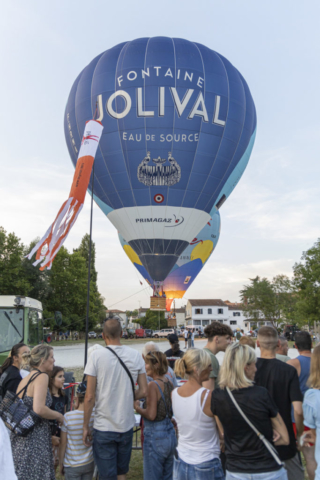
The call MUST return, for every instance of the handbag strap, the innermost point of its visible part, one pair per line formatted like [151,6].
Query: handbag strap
[125,367]
[33,377]
[268,445]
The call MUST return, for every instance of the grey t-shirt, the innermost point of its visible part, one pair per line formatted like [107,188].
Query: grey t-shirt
[283,358]
[215,366]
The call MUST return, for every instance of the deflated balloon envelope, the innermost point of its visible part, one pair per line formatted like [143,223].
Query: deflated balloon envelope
[189,264]
[179,126]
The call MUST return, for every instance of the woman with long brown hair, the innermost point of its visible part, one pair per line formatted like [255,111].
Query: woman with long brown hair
[10,371]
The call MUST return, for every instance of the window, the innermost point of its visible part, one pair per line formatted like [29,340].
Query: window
[220,311]
[197,322]
[221,321]
[233,322]
[198,311]
[11,327]
[209,311]
[205,322]
[236,314]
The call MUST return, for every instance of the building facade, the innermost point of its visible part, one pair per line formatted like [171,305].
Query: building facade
[120,314]
[203,312]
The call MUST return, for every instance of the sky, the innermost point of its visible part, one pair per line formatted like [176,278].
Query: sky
[273,214]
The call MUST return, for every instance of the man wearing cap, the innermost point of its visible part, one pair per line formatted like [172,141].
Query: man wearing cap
[174,351]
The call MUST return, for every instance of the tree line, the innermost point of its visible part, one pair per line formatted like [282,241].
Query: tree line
[62,289]
[287,301]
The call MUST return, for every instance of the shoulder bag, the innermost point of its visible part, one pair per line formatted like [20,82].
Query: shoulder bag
[268,445]
[125,367]
[18,417]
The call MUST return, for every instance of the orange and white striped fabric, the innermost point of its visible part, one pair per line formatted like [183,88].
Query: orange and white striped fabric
[50,244]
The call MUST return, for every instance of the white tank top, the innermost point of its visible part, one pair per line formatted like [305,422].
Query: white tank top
[198,434]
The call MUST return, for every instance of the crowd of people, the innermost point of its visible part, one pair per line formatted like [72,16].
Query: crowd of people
[250,418]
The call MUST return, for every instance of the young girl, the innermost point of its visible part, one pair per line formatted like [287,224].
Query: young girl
[75,459]
[59,404]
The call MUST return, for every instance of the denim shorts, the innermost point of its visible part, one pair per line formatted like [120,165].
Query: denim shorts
[112,453]
[211,470]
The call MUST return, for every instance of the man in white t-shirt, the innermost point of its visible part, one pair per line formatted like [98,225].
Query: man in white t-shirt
[109,390]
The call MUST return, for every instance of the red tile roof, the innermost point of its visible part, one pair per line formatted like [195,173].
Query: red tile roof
[207,303]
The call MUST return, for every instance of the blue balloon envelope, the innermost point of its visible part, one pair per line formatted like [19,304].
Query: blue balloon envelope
[179,126]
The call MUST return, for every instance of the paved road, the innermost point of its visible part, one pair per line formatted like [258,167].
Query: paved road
[73,356]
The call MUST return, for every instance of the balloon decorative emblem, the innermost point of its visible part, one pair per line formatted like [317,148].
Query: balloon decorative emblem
[179,127]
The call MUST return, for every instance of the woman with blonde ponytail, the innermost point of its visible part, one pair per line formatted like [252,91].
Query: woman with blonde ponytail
[32,455]
[198,448]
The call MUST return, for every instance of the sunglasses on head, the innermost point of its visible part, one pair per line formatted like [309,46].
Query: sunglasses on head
[153,357]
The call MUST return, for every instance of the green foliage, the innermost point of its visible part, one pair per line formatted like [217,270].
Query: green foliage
[151,320]
[307,281]
[132,313]
[273,301]
[63,288]
[13,280]
[39,280]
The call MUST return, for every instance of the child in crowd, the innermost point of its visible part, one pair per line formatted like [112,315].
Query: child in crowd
[75,459]
[59,404]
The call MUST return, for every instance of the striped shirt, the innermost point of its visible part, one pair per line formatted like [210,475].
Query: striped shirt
[77,453]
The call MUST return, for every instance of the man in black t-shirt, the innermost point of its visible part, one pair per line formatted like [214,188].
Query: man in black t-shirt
[282,382]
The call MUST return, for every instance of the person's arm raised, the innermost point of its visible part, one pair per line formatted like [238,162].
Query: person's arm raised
[141,392]
[40,390]
[150,412]
[279,426]
[89,401]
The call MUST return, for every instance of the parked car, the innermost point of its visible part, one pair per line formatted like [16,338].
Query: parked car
[92,335]
[163,333]
[149,332]
[140,333]
[100,335]
[128,333]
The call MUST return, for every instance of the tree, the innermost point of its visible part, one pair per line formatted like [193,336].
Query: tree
[274,301]
[259,301]
[13,280]
[307,281]
[287,298]
[68,290]
[132,313]
[97,308]
[151,320]
[38,280]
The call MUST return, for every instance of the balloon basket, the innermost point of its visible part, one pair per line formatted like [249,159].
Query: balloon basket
[158,304]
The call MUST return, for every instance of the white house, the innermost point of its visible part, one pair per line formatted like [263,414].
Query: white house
[204,312]
[122,315]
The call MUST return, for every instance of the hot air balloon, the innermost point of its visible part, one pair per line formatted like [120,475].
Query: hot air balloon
[179,127]
[189,264]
